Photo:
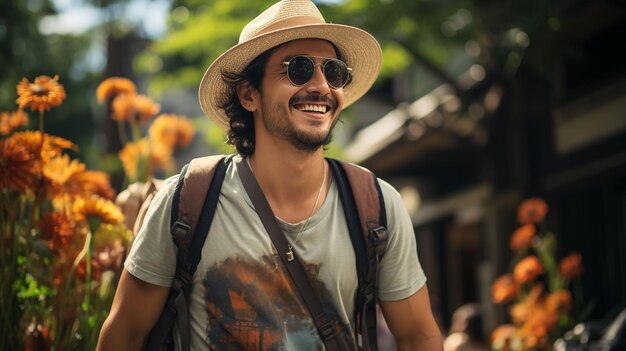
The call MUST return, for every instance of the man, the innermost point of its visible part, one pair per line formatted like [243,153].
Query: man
[278,93]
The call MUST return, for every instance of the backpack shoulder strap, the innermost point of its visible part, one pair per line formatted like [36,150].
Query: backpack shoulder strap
[191,217]
[193,213]
[365,212]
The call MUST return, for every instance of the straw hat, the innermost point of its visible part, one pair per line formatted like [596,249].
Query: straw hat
[285,21]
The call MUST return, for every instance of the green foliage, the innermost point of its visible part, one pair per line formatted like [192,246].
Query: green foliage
[189,47]
[395,59]
[26,52]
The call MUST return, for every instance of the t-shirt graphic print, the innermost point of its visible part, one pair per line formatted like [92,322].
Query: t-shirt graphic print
[252,305]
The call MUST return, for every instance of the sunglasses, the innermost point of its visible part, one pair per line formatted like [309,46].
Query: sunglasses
[300,70]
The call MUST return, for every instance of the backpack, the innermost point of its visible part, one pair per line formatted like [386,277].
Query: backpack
[191,218]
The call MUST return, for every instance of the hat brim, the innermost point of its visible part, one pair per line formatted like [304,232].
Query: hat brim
[358,49]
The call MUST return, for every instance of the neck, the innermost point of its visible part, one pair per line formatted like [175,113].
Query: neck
[290,179]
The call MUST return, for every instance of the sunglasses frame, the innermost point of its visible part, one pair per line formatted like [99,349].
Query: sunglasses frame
[323,64]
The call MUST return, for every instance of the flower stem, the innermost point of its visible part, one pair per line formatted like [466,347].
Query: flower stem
[89,245]
[66,288]
[135,130]
[41,122]
[121,131]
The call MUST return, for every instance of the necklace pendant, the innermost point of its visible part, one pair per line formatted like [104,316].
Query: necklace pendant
[290,255]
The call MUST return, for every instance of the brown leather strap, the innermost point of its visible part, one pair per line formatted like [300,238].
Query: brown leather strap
[294,267]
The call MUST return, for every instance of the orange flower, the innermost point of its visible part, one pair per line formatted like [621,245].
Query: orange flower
[58,229]
[96,206]
[521,311]
[18,168]
[532,211]
[501,337]
[59,170]
[70,178]
[111,87]
[131,155]
[131,107]
[503,289]
[41,95]
[559,301]
[11,121]
[522,237]
[50,147]
[141,158]
[95,182]
[123,107]
[527,269]
[146,108]
[172,130]
[571,266]
[535,331]
[161,157]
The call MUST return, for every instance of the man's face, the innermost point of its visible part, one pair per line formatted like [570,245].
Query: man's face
[303,115]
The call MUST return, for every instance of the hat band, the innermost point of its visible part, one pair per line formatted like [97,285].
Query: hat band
[289,22]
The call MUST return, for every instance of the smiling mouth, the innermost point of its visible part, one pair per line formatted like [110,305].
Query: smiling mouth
[311,108]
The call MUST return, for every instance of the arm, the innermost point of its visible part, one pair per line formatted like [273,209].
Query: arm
[412,323]
[136,308]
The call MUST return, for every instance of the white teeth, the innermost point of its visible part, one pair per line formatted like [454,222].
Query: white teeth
[312,108]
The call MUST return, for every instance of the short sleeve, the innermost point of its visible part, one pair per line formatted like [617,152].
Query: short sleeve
[152,257]
[400,274]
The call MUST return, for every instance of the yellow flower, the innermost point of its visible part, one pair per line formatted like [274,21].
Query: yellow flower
[41,95]
[59,170]
[95,206]
[522,237]
[18,167]
[172,130]
[532,210]
[111,87]
[527,269]
[11,121]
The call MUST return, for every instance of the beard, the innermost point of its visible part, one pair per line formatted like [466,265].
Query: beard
[276,121]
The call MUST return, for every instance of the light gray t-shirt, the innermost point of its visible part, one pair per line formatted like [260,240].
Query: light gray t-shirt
[242,297]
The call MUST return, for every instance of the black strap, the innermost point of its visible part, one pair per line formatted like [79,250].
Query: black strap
[367,267]
[294,267]
[188,257]
[352,218]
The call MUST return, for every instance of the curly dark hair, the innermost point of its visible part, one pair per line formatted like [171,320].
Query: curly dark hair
[241,132]
[241,121]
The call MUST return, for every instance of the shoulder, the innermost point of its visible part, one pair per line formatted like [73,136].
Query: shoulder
[167,188]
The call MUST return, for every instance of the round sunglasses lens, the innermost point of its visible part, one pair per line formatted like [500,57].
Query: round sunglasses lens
[336,73]
[300,70]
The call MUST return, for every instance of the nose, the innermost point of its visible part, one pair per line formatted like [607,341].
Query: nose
[317,83]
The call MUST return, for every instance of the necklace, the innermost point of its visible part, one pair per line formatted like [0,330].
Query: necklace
[289,253]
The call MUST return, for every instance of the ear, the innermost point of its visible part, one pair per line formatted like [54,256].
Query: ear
[248,96]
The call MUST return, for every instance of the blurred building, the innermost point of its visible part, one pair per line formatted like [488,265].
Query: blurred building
[465,154]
